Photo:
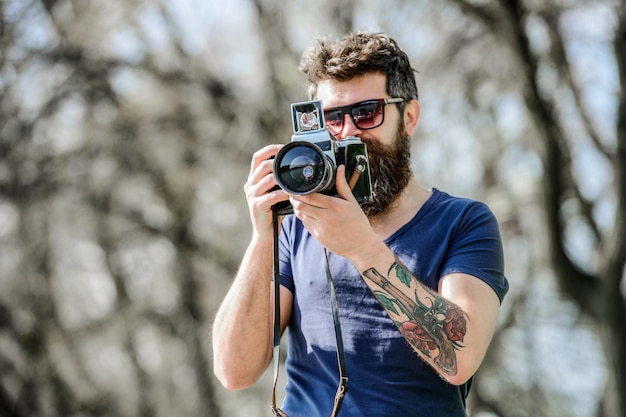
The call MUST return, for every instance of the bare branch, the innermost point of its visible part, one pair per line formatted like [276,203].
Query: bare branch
[617,256]
[561,61]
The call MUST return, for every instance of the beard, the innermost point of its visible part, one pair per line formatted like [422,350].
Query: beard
[390,168]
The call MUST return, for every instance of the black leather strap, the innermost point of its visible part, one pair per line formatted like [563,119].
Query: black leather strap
[276,278]
[342,389]
[341,357]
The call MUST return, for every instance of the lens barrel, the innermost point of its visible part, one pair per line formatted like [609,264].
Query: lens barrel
[303,168]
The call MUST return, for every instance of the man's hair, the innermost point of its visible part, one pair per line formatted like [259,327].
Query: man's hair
[357,54]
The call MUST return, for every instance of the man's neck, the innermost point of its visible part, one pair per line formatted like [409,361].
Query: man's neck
[401,211]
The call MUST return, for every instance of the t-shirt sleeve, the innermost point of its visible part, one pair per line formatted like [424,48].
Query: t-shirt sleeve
[476,248]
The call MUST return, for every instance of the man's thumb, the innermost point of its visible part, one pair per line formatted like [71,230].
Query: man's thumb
[341,183]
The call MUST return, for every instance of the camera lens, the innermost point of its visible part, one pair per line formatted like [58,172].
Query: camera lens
[302,168]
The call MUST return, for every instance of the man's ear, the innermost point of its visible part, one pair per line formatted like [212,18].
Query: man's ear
[411,116]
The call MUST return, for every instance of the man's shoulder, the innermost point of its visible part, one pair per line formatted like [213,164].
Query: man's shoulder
[443,202]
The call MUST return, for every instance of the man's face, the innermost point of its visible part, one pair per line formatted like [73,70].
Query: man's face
[387,144]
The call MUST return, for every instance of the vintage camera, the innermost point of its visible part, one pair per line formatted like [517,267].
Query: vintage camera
[308,164]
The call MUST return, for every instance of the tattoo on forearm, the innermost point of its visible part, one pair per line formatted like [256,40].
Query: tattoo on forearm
[433,326]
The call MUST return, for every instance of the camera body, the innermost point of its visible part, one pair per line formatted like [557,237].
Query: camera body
[308,164]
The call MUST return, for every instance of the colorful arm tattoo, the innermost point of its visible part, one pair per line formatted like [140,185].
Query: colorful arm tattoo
[433,326]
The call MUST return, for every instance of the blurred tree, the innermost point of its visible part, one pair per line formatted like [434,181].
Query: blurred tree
[554,88]
[102,160]
[126,130]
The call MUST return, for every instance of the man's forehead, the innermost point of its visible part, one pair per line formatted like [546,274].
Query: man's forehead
[336,93]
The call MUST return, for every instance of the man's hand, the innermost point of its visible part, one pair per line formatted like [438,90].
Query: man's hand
[338,223]
[257,188]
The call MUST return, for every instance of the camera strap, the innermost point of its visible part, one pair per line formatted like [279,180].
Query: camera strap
[342,389]
[341,357]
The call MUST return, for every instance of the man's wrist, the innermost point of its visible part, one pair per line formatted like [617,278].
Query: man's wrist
[373,254]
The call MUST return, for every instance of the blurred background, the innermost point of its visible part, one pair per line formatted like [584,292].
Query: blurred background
[126,132]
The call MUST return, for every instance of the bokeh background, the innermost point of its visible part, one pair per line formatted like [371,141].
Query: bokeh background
[126,132]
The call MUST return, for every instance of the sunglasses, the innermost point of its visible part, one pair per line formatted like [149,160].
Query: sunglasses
[366,114]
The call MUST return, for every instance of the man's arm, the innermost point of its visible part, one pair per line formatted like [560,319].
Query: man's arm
[243,326]
[451,328]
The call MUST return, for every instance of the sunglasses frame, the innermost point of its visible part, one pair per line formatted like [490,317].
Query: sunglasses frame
[348,110]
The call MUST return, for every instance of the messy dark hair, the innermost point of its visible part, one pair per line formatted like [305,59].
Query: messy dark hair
[357,54]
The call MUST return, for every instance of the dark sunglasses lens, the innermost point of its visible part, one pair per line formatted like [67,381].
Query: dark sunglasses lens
[334,119]
[367,115]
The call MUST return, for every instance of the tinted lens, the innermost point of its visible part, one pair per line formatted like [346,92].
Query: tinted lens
[334,119]
[302,168]
[368,114]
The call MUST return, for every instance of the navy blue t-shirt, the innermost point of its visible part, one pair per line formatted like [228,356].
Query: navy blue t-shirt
[386,377]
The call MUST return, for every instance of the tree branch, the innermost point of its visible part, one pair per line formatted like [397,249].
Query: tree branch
[582,287]
[617,254]
[561,62]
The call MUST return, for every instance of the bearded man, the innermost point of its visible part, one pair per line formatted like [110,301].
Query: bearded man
[418,274]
